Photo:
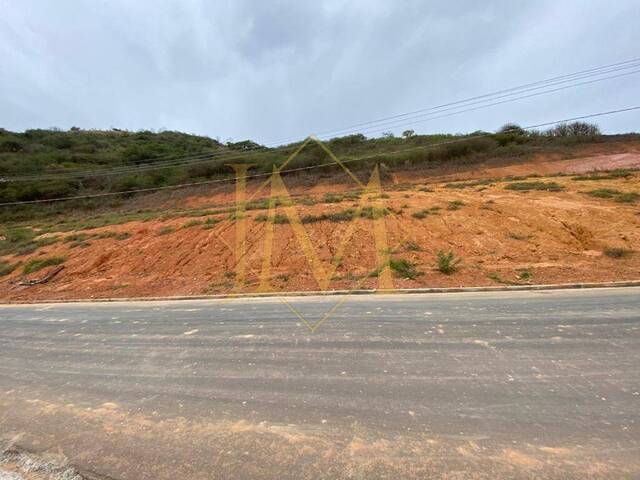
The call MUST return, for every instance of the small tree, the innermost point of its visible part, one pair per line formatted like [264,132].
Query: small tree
[387,135]
[575,129]
[512,128]
[408,133]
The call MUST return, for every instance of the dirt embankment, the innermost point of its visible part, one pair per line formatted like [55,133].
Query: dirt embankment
[556,229]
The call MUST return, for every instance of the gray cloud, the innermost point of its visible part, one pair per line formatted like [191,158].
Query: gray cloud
[287,68]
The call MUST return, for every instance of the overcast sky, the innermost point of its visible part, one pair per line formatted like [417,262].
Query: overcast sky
[270,70]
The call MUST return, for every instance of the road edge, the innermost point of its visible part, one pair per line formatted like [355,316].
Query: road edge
[311,293]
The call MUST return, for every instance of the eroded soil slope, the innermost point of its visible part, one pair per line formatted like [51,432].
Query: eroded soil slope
[503,230]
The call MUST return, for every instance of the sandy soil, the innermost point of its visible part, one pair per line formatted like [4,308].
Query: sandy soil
[502,236]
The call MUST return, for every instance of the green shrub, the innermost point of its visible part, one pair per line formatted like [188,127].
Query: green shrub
[616,195]
[403,268]
[192,223]
[575,129]
[40,263]
[166,230]
[210,222]
[455,205]
[373,213]
[627,197]
[6,268]
[536,185]
[524,275]
[447,263]
[340,216]
[424,213]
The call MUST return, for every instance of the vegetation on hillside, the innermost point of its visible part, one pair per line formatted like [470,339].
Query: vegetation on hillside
[122,161]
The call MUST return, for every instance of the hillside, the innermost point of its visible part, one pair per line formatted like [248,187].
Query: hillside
[48,164]
[512,208]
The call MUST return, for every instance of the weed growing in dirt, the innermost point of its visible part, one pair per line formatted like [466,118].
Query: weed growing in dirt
[77,240]
[210,222]
[280,218]
[166,231]
[6,268]
[536,185]
[612,175]
[332,198]
[12,239]
[524,275]
[40,263]
[307,201]
[424,213]
[412,246]
[617,252]
[498,279]
[192,223]
[347,215]
[403,268]
[455,205]
[519,236]
[474,183]
[447,263]
[373,213]
[615,195]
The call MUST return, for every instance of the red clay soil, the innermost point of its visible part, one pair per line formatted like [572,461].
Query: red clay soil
[502,236]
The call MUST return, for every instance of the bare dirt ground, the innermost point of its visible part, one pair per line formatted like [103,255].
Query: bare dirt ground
[502,236]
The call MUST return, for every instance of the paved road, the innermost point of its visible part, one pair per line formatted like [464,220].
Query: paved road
[491,385]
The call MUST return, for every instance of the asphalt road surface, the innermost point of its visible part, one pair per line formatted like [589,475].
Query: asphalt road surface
[483,385]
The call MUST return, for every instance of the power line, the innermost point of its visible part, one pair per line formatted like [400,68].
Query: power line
[421,120]
[191,160]
[291,170]
[594,71]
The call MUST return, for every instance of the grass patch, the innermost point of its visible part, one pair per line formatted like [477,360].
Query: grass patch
[403,268]
[412,246]
[536,185]
[192,223]
[524,275]
[615,195]
[77,240]
[498,279]
[166,231]
[617,252]
[373,213]
[40,263]
[210,222]
[455,205]
[446,262]
[278,218]
[474,183]
[14,239]
[612,175]
[424,213]
[340,216]
[6,268]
